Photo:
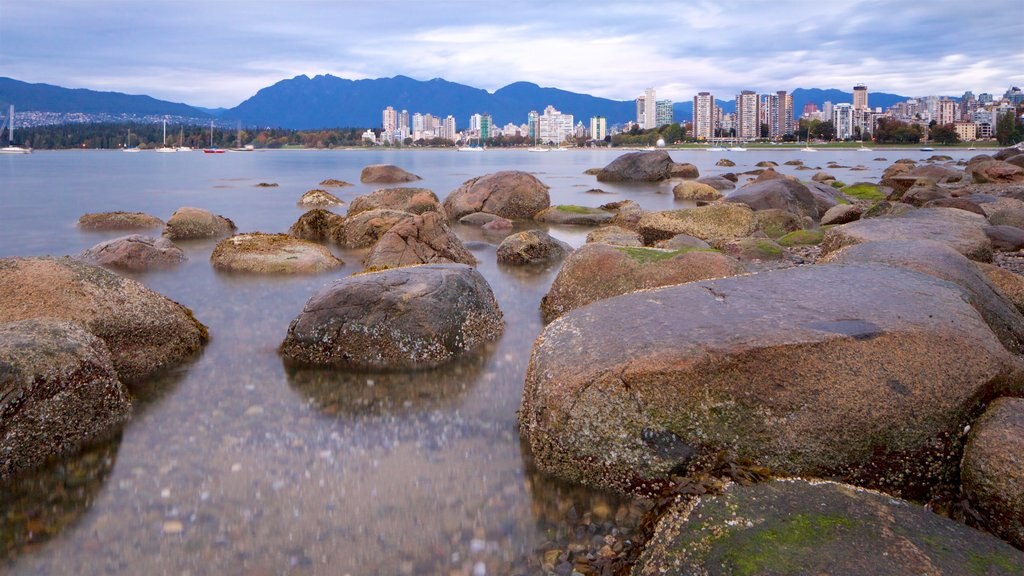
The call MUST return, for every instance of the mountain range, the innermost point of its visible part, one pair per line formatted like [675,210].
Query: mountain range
[327,101]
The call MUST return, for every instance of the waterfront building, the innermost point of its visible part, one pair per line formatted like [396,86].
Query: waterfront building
[967,131]
[598,127]
[703,116]
[369,136]
[945,111]
[403,123]
[486,125]
[646,110]
[389,124]
[555,127]
[447,128]
[533,125]
[748,126]
[663,114]
[860,97]
[826,111]
[843,120]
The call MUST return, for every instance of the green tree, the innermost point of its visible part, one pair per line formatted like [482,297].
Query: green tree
[944,134]
[764,131]
[823,130]
[1007,132]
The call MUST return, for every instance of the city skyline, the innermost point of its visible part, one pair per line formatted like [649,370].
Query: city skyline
[219,54]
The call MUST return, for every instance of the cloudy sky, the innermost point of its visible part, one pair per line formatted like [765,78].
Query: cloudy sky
[220,52]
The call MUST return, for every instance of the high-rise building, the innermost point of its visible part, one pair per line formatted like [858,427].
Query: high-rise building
[533,121]
[946,111]
[474,123]
[748,119]
[403,122]
[780,116]
[554,126]
[1015,95]
[826,111]
[843,120]
[646,110]
[663,114]
[417,126]
[704,116]
[485,126]
[447,129]
[860,97]
[598,128]
[390,122]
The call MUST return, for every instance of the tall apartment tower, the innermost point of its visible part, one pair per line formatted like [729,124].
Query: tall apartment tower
[598,127]
[704,116]
[647,110]
[390,121]
[781,115]
[403,122]
[748,125]
[860,97]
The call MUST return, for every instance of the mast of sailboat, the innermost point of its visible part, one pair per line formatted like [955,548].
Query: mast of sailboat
[165,132]
[211,133]
[239,133]
[10,126]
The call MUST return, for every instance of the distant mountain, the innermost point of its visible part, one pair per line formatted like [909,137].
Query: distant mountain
[329,101]
[212,111]
[46,98]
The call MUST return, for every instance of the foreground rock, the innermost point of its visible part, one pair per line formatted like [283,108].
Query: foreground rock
[134,252]
[866,373]
[364,229]
[616,235]
[59,391]
[144,331]
[317,225]
[510,194]
[386,174]
[842,214]
[798,527]
[992,471]
[598,271]
[704,222]
[638,167]
[423,239]
[319,199]
[412,200]
[191,223]
[531,247]
[119,221]
[778,193]
[260,253]
[963,231]
[696,190]
[412,317]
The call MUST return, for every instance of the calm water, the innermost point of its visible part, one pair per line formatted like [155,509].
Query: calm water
[234,465]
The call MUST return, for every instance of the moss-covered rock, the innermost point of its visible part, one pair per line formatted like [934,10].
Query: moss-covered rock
[864,191]
[572,215]
[802,238]
[259,253]
[713,221]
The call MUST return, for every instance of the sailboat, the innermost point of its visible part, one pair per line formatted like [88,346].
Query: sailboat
[181,142]
[165,147]
[11,148]
[212,149]
[470,147]
[239,147]
[807,146]
[715,147]
[128,144]
[536,143]
[737,148]
[863,148]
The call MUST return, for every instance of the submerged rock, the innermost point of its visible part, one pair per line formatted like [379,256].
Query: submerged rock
[510,194]
[58,391]
[413,200]
[119,221]
[260,253]
[317,225]
[638,167]
[405,318]
[386,174]
[190,223]
[531,247]
[144,331]
[134,252]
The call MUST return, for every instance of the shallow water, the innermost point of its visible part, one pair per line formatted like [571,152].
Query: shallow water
[235,465]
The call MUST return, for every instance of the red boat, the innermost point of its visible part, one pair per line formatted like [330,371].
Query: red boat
[213,151]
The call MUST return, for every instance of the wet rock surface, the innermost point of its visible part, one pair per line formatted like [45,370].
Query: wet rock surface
[531,247]
[259,253]
[364,229]
[570,215]
[704,222]
[422,239]
[992,470]
[638,167]
[616,235]
[317,225]
[511,194]
[406,318]
[386,174]
[412,200]
[189,223]
[119,221]
[799,527]
[134,252]
[58,391]
[962,230]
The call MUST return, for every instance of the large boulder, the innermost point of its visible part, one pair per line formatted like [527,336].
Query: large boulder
[188,223]
[134,252]
[317,225]
[842,213]
[937,173]
[58,391]
[319,199]
[627,213]
[777,193]
[798,527]
[531,247]
[1005,211]
[704,222]
[572,215]
[996,171]
[364,229]
[695,190]
[616,235]
[510,194]
[964,231]
[598,271]
[638,167]
[105,221]
[684,170]
[922,192]
[260,253]
[1009,283]
[717,182]
[386,174]
[414,200]
[776,223]
[864,372]
[422,239]
[144,331]
[992,471]
[406,318]
[1005,238]
[940,260]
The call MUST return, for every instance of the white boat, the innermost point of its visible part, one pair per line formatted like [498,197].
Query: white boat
[128,144]
[470,149]
[927,149]
[181,142]
[737,148]
[715,147]
[11,148]
[863,148]
[807,147]
[165,148]
[239,147]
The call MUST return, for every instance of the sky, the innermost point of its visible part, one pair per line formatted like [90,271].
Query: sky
[217,53]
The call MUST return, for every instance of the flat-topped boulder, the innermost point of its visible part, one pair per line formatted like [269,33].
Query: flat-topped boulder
[1005,238]
[684,170]
[531,247]
[259,253]
[996,171]
[704,222]
[105,221]
[937,173]
[992,471]
[511,194]
[696,190]
[134,252]
[192,223]
[144,331]
[422,239]
[616,235]
[598,271]
[719,183]
[572,215]
[651,166]
[400,319]
[364,229]
[413,200]
[862,372]
[317,225]
[334,183]
[59,391]
[798,527]
[386,174]
[318,198]
[778,193]
[842,213]
[964,231]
